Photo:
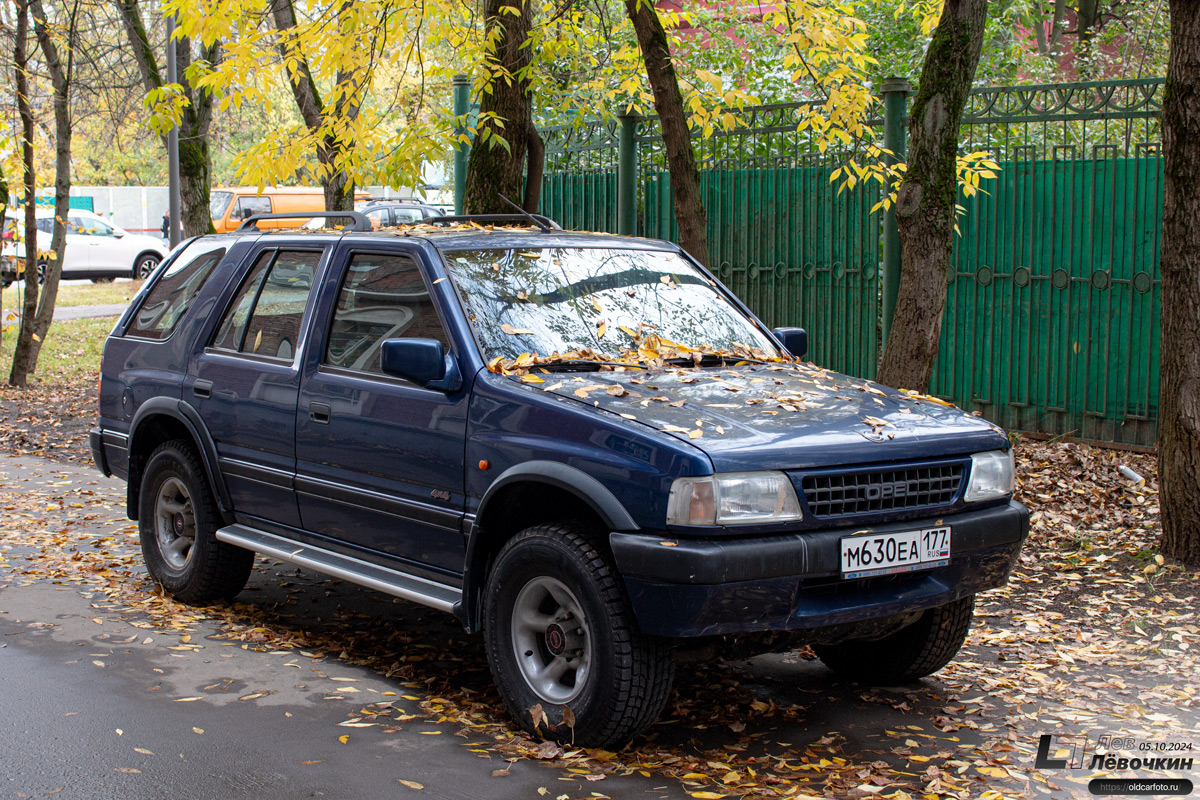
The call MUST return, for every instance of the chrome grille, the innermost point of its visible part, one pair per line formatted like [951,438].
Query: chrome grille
[871,491]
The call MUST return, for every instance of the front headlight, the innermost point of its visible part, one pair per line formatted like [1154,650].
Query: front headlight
[734,498]
[991,476]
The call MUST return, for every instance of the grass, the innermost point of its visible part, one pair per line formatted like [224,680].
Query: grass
[81,293]
[70,354]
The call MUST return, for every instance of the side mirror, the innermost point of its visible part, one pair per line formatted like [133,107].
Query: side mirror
[794,340]
[117,233]
[422,361]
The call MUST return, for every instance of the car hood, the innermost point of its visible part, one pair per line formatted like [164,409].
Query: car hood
[780,416]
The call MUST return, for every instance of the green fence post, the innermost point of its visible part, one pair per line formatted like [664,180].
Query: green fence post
[462,98]
[627,176]
[895,120]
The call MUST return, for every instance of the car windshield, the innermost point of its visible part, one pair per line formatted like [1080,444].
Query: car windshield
[218,203]
[598,304]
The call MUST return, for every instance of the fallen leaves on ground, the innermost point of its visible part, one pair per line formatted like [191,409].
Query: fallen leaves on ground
[1085,638]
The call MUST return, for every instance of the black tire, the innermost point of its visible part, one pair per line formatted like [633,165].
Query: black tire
[913,652]
[176,500]
[144,266]
[41,268]
[625,677]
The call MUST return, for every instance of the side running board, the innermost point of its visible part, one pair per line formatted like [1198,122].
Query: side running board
[410,587]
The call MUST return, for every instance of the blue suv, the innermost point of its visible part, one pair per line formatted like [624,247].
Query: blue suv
[582,445]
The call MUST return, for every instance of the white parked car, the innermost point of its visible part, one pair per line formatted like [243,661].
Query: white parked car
[95,248]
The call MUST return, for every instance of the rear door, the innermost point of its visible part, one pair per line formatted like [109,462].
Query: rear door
[107,252]
[246,380]
[379,459]
[78,244]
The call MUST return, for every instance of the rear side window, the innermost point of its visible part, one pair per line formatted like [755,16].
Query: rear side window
[169,300]
[383,297]
[264,317]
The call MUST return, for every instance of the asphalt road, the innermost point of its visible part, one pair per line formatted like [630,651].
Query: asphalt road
[131,697]
[98,703]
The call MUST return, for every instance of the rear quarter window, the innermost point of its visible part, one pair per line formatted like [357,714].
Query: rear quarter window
[172,296]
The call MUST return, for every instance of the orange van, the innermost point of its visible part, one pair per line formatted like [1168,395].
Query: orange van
[230,205]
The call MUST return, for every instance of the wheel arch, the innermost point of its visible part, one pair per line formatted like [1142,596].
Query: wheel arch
[524,495]
[158,257]
[162,419]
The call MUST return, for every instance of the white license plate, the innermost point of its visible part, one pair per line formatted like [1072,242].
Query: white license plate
[888,553]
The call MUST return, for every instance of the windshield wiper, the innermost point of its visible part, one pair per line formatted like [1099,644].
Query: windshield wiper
[584,365]
[711,360]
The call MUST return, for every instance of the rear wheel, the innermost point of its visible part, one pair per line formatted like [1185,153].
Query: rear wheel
[913,652]
[144,266]
[177,521]
[561,638]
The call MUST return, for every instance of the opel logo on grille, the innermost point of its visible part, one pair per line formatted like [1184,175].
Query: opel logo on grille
[885,491]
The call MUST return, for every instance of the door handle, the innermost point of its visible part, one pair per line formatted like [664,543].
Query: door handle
[202,388]
[319,413]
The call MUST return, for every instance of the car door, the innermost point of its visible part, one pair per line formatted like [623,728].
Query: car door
[379,459]
[78,256]
[105,250]
[249,205]
[245,382]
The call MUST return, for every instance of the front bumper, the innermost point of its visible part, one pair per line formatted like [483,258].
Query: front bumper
[793,582]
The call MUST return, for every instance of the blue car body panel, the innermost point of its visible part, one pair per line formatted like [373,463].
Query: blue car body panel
[402,475]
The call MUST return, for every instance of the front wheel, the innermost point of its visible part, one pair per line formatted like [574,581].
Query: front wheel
[913,652]
[563,645]
[177,522]
[144,266]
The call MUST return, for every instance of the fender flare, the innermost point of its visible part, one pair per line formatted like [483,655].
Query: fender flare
[573,480]
[184,413]
[552,473]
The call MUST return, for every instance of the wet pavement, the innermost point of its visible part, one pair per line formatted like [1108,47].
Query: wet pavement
[311,687]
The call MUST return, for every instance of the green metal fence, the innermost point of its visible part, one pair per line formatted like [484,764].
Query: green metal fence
[1052,314]
[579,188]
[780,234]
[1052,319]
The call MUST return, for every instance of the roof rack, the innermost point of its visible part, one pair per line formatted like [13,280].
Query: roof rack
[361,223]
[492,219]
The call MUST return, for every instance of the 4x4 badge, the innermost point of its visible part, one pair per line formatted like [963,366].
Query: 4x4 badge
[438,494]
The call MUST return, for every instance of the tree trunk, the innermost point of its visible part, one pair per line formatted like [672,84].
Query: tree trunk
[677,137]
[492,169]
[23,350]
[1179,361]
[195,181]
[61,74]
[337,186]
[926,198]
[195,164]
[535,172]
